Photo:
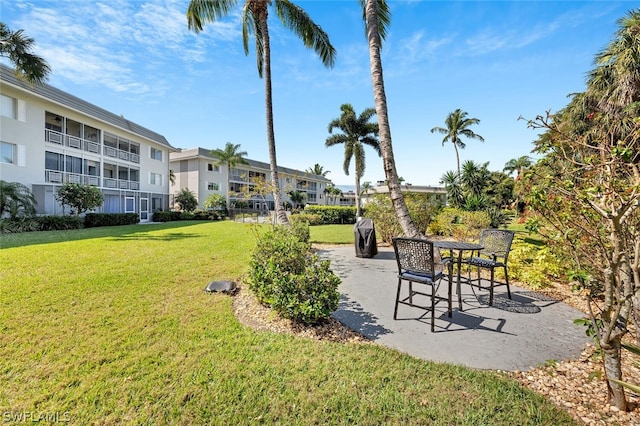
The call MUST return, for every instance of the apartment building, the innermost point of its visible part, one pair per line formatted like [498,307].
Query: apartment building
[49,137]
[197,170]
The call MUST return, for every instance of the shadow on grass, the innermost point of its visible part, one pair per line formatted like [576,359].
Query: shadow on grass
[124,232]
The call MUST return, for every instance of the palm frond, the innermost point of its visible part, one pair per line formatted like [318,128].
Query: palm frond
[312,35]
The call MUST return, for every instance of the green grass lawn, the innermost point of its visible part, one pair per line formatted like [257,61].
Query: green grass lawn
[112,326]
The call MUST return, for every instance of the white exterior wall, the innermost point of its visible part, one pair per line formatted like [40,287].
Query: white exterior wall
[27,132]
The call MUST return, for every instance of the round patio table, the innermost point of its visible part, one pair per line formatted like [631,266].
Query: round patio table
[459,247]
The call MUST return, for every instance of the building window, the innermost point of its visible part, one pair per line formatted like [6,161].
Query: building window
[213,186]
[8,106]
[156,154]
[155,179]
[7,153]
[213,167]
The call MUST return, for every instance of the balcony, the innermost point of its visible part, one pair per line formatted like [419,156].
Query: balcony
[87,145]
[55,176]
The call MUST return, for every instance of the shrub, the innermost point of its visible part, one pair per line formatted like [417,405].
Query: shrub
[186,200]
[310,219]
[166,216]
[59,223]
[39,223]
[285,275]
[460,224]
[333,214]
[93,220]
[533,265]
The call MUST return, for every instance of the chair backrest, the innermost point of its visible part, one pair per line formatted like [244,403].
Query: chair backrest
[496,242]
[417,256]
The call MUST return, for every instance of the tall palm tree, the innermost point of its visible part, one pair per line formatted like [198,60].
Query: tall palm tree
[377,18]
[332,193]
[17,47]
[231,156]
[319,170]
[517,165]
[458,125]
[357,131]
[254,20]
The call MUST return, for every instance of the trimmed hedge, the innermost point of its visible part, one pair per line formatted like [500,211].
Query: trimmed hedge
[93,220]
[39,223]
[196,215]
[330,215]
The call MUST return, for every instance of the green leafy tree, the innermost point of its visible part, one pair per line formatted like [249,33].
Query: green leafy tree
[187,200]
[357,131]
[230,156]
[457,125]
[80,198]
[455,194]
[16,200]
[17,47]
[254,21]
[377,18]
[587,189]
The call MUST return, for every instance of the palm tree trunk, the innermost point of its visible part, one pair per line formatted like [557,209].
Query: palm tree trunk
[281,214]
[358,208]
[455,146]
[373,36]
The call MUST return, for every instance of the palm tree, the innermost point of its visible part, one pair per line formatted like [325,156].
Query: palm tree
[458,125]
[231,156]
[254,20]
[17,47]
[332,192]
[474,178]
[517,165]
[451,182]
[377,18]
[297,197]
[16,199]
[317,169]
[356,132]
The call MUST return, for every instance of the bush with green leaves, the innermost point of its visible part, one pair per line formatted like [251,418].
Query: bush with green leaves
[287,276]
[16,200]
[379,208]
[310,219]
[80,198]
[186,200]
[92,220]
[533,265]
[39,223]
[331,215]
[459,224]
[215,202]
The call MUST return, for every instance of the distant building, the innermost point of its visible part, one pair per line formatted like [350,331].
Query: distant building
[197,170]
[437,193]
[49,137]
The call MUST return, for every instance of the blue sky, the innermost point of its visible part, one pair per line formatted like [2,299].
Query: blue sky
[497,60]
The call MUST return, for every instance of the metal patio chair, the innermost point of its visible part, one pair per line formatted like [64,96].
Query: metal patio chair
[419,262]
[496,245]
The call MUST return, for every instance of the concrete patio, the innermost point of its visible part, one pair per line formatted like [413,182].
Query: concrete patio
[517,334]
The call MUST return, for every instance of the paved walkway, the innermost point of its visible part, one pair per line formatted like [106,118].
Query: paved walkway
[517,334]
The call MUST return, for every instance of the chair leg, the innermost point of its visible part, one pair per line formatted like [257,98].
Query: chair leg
[491,288]
[411,292]
[433,306]
[395,311]
[506,279]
